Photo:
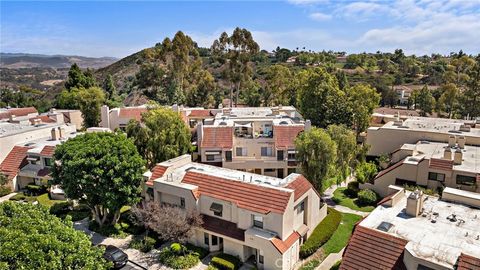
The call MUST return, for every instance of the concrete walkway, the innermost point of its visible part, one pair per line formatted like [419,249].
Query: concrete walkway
[331,259]
[328,195]
[7,197]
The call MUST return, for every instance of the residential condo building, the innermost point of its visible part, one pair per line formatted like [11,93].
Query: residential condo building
[261,219]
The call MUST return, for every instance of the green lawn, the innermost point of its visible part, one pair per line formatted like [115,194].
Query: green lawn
[341,236]
[46,201]
[340,198]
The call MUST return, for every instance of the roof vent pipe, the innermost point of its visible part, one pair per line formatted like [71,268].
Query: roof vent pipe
[458,156]
[451,141]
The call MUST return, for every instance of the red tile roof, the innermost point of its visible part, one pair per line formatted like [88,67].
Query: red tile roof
[218,137]
[132,113]
[283,246]
[247,196]
[48,151]
[441,164]
[16,159]
[200,113]
[373,249]
[300,185]
[157,172]
[18,112]
[467,262]
[285,135]
[223,227]
[42,118]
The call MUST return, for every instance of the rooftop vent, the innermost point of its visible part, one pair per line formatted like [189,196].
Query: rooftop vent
[222,123]
[385,226]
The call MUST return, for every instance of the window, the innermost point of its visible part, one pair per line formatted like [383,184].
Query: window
[217,209]
[210,157]
[214,240]
[291,154]
[260,259]
[48,162]
[465,180]
[205,239]
[257,221]
[228,155]
[241,151]
[300,207]
[269,170]
[266,152]
[150,192]
[436,176]
[182,202]
[280,155]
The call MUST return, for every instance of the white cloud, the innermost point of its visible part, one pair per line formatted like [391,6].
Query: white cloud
[307,2]
[318,16]
[363,10]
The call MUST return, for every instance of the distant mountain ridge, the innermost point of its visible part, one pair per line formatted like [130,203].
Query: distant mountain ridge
[25,60]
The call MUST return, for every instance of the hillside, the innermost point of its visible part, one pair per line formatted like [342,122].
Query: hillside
[24,60]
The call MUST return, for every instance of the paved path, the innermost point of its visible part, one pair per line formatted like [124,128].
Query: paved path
[7,197]
[328,195]
[331,259]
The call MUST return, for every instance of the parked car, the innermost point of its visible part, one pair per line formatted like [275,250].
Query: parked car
[115,255]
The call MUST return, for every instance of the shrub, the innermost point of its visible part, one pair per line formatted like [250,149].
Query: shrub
[18,197]
[365,172]
[177,248]
[4,191]
[225,262]
[114,231]
[197,251]
[142,243]
[352,189]
[367,197]
[35,190]
[60,208]
[321,233]
[176,261]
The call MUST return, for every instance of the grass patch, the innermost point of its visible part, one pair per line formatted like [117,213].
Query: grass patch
[23,197]
[116,231]
[322,233]
[339,197]
[310,265]
[336,266]
[341,236]
[45,200]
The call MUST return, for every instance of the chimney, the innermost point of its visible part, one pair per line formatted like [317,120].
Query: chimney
[105,117]
[461,142]
[226,111]
[451,141]
[12,117]
[36,121]
[308,125]
[54,134]
[457,157]
[414,203]
[275,111]
[175,108]
[465,128]
[447,154]
[61,132]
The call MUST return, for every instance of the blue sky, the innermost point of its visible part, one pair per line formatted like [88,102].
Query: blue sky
[121,28]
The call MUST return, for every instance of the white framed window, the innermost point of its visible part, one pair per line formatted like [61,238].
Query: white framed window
[241,151]
[266,151]
[257,221]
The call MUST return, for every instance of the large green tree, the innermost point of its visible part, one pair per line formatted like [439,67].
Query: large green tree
[236,50]
[32,238]
[346,142]
[321,100]
[425,101]
[316,153]
[90,101]
[102,170]
[278,86]
[448,101]
[79,79]
[160,136]
[362,100]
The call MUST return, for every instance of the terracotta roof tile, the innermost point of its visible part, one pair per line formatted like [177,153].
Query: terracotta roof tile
[16,159]
[247,196]
[300,185]
[285,135]
[200,113]
[372,249]
[467,262]
[441,164]
[283,246]
[18,112]
[132,113]
[221,137]
[42,118]
[158,171]
[48,151]
[223,227]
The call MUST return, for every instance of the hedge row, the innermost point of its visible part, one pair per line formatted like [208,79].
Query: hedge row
[225,262]
[321,233]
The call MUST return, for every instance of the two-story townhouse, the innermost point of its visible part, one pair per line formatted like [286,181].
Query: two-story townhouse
[255,217]
[258,140]
[432,165]
[31,162]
